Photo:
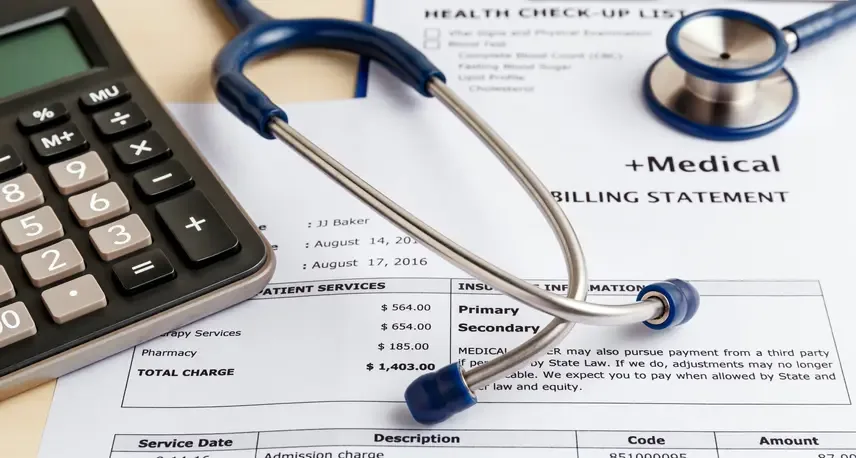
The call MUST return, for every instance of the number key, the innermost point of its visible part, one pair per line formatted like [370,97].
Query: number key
[79,173]
[121,237]
[19,195]
[99,205]
[15,324]
[53,263]
[32,230]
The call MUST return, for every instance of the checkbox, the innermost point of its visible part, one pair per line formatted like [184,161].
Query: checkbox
[432,44]
[432,33]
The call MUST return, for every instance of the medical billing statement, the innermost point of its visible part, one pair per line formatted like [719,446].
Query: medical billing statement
[317,363]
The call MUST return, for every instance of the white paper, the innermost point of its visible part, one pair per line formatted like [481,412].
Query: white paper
[774,270]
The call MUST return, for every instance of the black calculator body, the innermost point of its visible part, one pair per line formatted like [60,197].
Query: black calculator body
[114,228]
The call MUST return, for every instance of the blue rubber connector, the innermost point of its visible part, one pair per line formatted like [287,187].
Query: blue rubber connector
[683,301]
[822,25]
[434,397]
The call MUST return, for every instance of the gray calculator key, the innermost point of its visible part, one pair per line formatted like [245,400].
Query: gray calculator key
[7,289]
[120,237]
[19,195]
[74,299]
[53,263]
[78,173]
[15,324]
[32,229]
[99,205]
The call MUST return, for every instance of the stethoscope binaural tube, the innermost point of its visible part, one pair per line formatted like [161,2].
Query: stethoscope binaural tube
[435,396]
[723,77]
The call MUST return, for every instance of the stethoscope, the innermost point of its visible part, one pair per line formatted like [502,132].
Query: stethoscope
[724,77]
[435,396]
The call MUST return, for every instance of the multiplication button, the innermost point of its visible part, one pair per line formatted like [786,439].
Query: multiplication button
[141,150]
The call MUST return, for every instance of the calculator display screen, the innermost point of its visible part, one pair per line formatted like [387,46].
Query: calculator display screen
[38,56]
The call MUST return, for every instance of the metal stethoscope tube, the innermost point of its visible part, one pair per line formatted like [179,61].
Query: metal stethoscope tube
[435,396]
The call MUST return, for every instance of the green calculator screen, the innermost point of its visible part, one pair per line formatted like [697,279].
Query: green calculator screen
[39,56]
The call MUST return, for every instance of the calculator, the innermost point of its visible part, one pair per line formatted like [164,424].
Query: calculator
[115,229]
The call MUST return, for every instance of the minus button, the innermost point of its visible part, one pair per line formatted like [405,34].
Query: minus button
[162,180]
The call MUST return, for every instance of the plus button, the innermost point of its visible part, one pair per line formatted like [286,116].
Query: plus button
[195,224]
[634,164]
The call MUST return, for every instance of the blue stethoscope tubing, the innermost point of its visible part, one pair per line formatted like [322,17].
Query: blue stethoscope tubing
[692,96]
[434,396]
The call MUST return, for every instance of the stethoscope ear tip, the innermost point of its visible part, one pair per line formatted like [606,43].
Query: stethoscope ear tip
[680,299]
[436,396]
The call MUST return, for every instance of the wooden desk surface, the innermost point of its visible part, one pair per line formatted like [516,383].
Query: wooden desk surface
[172,44]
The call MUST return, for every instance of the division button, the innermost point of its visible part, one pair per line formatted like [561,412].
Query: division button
[42,116]
[99,205]
[58,142]
[120,237]
[19,195]
[162,180]
[141,150]
[119,120]
[74,299]
[78,173]
[7,289]
[143,271]
[33,229]
[16,324]
[10,163]
[197,227]
[103,96]
[53,263]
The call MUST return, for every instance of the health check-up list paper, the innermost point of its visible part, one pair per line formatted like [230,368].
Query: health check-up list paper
[316,365]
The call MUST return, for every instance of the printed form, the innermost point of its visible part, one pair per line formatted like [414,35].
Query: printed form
[316,365]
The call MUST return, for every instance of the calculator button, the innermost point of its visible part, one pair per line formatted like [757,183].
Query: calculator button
[78,173]
[141,150]
[19,195]
[16,324]
[103,96]
[120,237]
[52,264]
[143,271]
[162,180]
[121,119]
[32,230]
[74,299]
[99,205]
[194,223]
[58,142]
[7,289]
[10,163]
[42,116]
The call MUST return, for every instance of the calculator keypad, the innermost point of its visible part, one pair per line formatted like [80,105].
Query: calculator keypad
[53,263]
[19,195]
[79,173]
[99,205]
[119,238]
[107,217]
[74,298]
[15,324]
[32,229]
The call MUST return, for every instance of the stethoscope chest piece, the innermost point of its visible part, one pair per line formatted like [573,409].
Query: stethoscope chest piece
[723,77]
